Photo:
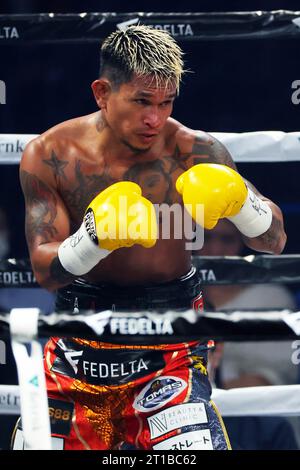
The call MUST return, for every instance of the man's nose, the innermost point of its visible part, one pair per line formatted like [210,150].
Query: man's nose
[152,118]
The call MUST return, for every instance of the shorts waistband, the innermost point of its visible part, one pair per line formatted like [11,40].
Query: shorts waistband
[172,294]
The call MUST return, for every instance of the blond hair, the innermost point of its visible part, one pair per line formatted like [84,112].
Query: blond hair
[144,52]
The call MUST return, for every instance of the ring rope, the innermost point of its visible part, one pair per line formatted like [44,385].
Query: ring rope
[169,327]
[217,270]
[260,146]
[273,400]
[91,27]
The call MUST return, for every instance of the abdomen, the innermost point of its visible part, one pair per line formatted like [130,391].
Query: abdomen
[166,261]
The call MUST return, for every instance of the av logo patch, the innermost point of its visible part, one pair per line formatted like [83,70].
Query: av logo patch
[159,392]
[176,417]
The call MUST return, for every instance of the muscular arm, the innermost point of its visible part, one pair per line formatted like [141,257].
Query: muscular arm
[46,222]
[207,149]
[274,239]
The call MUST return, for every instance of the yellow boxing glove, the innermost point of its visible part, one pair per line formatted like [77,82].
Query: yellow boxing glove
[221,190]
[223,193]
[121,217]
[117,217]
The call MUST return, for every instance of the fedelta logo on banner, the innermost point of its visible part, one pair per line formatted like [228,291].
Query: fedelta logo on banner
[2,92]
[175,29]
[9,32]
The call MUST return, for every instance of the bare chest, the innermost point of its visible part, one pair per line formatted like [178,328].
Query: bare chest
[80,181]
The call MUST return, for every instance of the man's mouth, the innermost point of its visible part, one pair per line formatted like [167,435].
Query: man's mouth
[147,136]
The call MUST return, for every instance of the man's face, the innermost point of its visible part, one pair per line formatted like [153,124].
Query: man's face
[137,112]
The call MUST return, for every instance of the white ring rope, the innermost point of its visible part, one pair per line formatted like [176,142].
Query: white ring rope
[260,146]
[273,400]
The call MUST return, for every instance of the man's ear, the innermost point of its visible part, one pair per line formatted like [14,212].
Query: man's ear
[101,89]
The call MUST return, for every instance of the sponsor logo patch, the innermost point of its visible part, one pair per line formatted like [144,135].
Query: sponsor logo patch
[60,414]
[159,392]
[194,440]
[90,225]
[176,417]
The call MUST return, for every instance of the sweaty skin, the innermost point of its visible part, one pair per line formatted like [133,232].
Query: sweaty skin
[66,167]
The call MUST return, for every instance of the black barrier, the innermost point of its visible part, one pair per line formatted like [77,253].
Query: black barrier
[253,269]
[17,273]
[171,327]
[78,27]
[216,270]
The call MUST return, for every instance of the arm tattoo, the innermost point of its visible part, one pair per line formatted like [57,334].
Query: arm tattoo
[58,272]
[212,152]
[218,153]
[203,151]
[270,237]
[41,209]
[57,165]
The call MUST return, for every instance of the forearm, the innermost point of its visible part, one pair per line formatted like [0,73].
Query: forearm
[274,239]
[47,268]
[57,264]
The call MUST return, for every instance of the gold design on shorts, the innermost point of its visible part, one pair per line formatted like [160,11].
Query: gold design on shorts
[198,363]
[214,406]
[105,408]
[154,347]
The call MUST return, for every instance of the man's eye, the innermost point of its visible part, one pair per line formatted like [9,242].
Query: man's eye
[166,103]
[141,101]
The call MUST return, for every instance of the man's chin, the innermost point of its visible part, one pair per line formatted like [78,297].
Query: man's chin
[137,148]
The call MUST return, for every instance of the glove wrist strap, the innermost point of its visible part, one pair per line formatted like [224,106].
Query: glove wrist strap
[254,218]
[78,254]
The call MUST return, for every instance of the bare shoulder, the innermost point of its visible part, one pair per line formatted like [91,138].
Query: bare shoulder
[197,146]
[55,140]
[68,131]
[32,154]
